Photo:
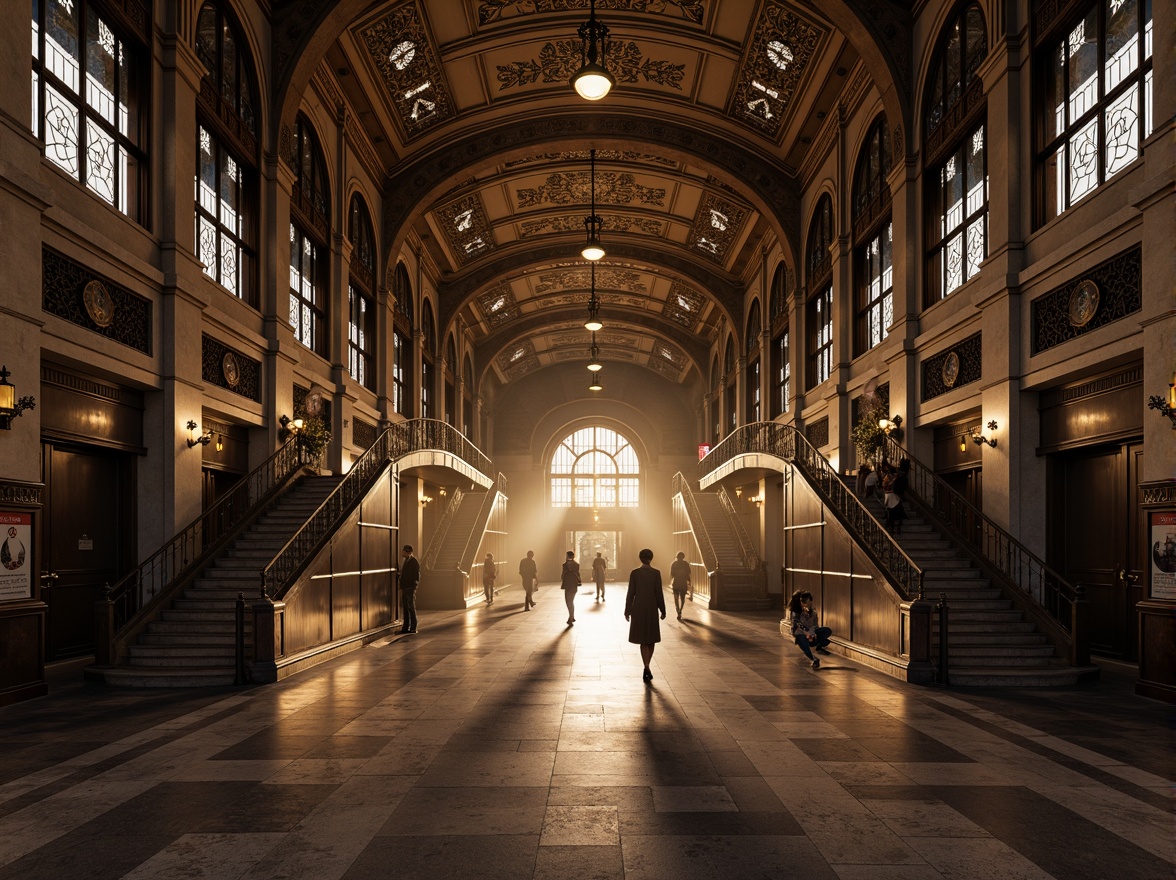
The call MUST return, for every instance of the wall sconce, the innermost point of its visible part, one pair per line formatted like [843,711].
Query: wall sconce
[1166,407]
[290,427]
[425,499]
[890,425]
[442,493]
[220,442]
[10,405]
[738,491]
[980,440]
[757,500]
[203,440]
[593,81]
[963,443]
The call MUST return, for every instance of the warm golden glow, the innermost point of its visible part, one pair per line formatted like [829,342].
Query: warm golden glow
[592,82]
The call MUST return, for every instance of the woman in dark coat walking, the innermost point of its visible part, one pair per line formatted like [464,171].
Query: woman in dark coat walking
[642,604]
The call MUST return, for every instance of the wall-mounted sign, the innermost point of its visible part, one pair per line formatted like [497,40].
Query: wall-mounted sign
[703,449]
[1163,555]
[16,563]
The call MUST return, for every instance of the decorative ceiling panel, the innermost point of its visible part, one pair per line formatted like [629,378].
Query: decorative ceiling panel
[664,367]
[626,156]
[490,11]
[579,278]
[670,354]
[781,48]
[683,306]
[716,226]
[573,223]
[498,306]
[467,228]
[575,187]
[518,353]
[559,59]
[399,47]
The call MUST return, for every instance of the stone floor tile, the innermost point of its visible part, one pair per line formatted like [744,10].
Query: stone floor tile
[207,855]
[692,799]
[580,826]
[707,857]
[579,863]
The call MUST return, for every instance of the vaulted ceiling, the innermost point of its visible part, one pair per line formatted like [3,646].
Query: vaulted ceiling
[482,148]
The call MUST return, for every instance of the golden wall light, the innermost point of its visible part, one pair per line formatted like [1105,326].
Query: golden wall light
[290,427]
[891,424]
[203,440]
[593,81]
[11,406]
[980,440]
[1167,407]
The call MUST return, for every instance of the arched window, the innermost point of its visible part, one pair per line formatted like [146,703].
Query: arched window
[450,380]
[752,346]
[467,396]
[819,308]
[226,156]
[90,98]
[778,303]
[732,383]
[308,242]
[1096,109]
[957,179]
[595,467]
[428,362]
[402,342]
[873,235]
[361,304]
[716,377]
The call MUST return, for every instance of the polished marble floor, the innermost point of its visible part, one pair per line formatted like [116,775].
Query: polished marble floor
[503,744]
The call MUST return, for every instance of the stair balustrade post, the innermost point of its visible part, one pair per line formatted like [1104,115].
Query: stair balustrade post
[917,616]
[239,675]
[104,628]
[268,639]
[941,608]
[1080,628]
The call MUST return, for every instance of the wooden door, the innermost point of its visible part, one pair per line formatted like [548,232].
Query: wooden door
[1094,539]
[84,540]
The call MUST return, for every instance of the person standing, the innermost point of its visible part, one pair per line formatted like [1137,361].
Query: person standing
[410,578]
[642,604]
[489,572]
[599,567]
[529,572]
[569,579]
[680,582]
[896,509]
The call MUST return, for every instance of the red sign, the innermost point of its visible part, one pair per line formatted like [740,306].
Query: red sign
[703,449]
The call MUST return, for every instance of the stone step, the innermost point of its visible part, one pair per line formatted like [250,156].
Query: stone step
[1007,661]
[179,615]
[1009,676]
[983,626]
[143,677]
[194,638]
[179,654]
[990,650]
[221,606]
[987,638]
[196,627]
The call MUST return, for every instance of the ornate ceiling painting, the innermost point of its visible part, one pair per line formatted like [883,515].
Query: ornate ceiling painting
[478,90]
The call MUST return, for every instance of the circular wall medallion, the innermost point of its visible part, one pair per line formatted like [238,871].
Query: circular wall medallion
[99,304]
[1083,303]
[231,369]
[314,403]
[951,369]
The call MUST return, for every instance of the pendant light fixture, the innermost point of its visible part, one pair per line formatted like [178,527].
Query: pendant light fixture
[595,385]
[593,323]
[593,250]
[594,363]
[593,81]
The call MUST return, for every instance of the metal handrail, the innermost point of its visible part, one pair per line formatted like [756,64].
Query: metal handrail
[787,443]
[395,442]
[679,486]
[1000,553]
[447,517]
[747,551]
[138,593]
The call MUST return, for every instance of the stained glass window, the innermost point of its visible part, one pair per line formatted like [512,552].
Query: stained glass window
[820,322]
[88,100]
[307,286]
[595,467]
[876,291]
[1097,97]
[781,374]
[819,309]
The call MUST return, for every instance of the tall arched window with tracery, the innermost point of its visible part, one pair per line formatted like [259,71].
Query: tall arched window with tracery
[595,467]
[450,368]
[90,96]
[226,156]
[732,383]
[781,378]
[956,151]
[873,237]
[428,362]
[361,304]
[402,342]
[819,285]
[309,232]
[467,397]
[752,373]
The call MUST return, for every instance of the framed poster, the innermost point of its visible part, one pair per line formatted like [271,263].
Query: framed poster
[1162,554]
[16,560]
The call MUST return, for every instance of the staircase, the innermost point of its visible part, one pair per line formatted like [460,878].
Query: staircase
[740,591]
[457,535]
[193,641]
[991,643]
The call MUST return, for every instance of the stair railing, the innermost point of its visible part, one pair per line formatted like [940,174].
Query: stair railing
[679,486]
[395,442]
[442,530]
[785,442]
[747,553]
[135,596]
[1057,603]
[471,545]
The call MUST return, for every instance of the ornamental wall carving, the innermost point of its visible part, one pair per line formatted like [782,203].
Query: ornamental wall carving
[1095,298]
[81,296]
[575,188]
[490,11]
[559,59]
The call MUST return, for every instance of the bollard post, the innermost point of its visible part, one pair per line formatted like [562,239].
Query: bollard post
[239,677]
[942,609]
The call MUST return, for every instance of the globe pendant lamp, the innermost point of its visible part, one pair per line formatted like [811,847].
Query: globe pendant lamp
[593,250]
[593,81]
[594,363]
[595,385]
[593,323]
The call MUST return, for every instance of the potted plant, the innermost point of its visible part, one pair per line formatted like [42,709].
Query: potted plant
[313,440]
[868,436]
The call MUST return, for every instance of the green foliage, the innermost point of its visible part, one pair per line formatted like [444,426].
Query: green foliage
[314,438]
[869,439]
